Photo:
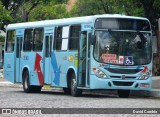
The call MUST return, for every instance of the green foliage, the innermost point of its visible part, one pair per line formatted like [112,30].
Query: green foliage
[92,7]
[157,4]
[127,7]
[142,8]
[87,7]
[32,10]
[2,39]
[13,11]
[49,11]
[4,16]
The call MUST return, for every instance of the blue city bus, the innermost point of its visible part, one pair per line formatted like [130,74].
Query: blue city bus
[100,52]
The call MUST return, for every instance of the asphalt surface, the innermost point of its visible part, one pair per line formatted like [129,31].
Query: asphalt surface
[14,97]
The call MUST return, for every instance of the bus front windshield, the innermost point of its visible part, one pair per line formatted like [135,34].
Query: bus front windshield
[123,47]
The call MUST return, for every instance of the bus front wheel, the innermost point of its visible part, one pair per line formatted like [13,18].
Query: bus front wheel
[74,91]
[123,93]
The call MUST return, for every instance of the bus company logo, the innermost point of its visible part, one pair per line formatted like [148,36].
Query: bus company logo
[70,58]
[123,76]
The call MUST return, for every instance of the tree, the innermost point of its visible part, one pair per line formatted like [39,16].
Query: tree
[143,8]
[151,10]
[20,9]
[92,7]
[4,17]
[87,7]
[49,11]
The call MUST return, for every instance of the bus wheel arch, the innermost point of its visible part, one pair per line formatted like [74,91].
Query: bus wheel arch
[71,83]
[26,83]
[67,90]
[24,70]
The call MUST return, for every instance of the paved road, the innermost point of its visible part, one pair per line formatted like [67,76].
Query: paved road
[15,97]
[12,97]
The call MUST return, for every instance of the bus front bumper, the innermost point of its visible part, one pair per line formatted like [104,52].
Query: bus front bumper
[126,84]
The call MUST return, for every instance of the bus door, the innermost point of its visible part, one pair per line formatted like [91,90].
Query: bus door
[18,57]
[9,57]
[83,60]
[18,48]
[47,58]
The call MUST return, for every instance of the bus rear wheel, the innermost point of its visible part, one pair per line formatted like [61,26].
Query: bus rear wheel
[26,85]
[123,93]
[74,91]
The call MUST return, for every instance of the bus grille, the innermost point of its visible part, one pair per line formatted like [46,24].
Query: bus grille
[126,77]
[123,71]
[117,83]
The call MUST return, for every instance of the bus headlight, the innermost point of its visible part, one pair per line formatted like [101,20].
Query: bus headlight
[99,73]
[144,76]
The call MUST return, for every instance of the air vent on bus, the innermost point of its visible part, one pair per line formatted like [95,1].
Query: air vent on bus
[118,83]
[123,71]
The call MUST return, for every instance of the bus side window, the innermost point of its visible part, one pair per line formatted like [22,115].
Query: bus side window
[38,39]
[61,39]
[74,37]
[10,41]
[58,38]
[27,45]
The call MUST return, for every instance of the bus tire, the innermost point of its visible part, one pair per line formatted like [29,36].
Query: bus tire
[74,91]
[26,85]
[123,93]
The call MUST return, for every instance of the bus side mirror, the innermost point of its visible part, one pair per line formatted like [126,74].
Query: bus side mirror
[93,39]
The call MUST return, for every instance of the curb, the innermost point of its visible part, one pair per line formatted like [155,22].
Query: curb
[3,84]
[155,93]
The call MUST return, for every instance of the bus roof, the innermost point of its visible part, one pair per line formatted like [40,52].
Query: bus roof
[65,21]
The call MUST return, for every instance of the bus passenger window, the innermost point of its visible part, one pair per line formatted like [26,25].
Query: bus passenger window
[10,41]
[58,40]
[27,45]
[38,39]
[74,37]
[61,39]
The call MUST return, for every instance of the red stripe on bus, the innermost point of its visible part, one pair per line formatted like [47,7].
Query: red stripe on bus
[37,68]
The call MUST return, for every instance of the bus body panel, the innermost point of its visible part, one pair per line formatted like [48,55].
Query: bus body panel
[63,61]
[9,67]
[34,61]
